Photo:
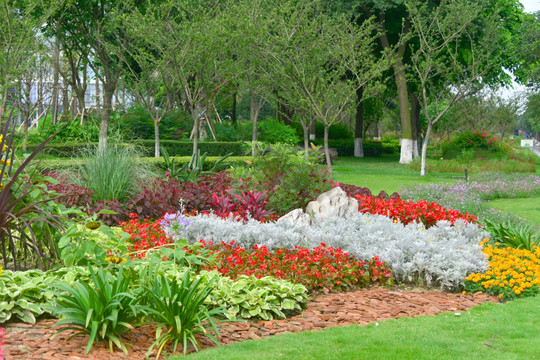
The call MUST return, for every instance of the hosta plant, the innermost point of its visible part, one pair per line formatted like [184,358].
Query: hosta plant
[248,297]
[104,310]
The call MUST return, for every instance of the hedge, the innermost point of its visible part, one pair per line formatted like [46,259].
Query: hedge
[66,164]
[372,148]
[173,147]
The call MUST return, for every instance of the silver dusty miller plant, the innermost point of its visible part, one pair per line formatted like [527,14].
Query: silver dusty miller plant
[442,255]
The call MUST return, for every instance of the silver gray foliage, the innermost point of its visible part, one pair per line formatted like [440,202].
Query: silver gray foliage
[442,255]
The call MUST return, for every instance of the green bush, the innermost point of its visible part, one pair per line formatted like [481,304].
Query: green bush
[473,141]
[273,131]
[137,124]
[391,146]
[227,132]
[290,180]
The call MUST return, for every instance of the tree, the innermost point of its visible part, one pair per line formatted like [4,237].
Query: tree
[18,32]
[192,44]
[87,29]
[459,47]
[318,62]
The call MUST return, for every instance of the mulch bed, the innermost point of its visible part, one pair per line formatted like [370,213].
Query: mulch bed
[32,342]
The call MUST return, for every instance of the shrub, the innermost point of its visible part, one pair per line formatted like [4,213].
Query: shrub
[512,273]
[353,190]
[228,132]
[474,141]
[174,147]
[372,148]
[71,195]
[321,268]
[291,180]
[273,131]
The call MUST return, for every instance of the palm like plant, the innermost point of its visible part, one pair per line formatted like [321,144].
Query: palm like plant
[180,308]
[105,311]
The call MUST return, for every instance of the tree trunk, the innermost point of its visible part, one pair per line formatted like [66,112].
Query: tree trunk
[326,149]
[255,108]
[234,106]
[56,83]
[359,124]
[401,85]
[424,149]
[415,124]
[312,129]
[156,138]
[407,143]
[108,93]
[65,100]
[26,112]
[195,113]
[98,98]
[305,127]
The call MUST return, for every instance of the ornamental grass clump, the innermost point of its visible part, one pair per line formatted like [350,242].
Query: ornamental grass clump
[512,273]
[111,173]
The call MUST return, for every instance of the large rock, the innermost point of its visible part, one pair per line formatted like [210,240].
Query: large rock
[296,216]
[331,203]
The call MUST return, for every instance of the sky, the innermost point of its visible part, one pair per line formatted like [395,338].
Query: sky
[531,5]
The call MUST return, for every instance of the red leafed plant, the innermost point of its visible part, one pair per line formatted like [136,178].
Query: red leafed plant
[410,211]
[250,203]
[323,267]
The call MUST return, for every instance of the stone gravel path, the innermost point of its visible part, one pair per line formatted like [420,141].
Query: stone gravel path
[33,342]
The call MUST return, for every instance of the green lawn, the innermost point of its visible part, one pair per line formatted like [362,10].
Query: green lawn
[528,207]
[383,173]
[489,331]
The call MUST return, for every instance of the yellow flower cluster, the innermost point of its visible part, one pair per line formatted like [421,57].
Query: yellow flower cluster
[1,270]
[511,271]
[116,260]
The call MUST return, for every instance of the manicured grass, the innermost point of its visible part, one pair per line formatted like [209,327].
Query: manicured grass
[528,207]
[383,173]
[489,331]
